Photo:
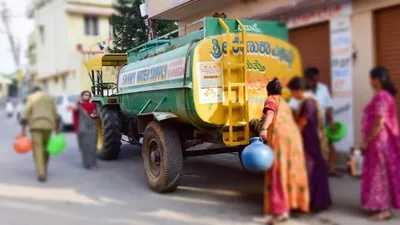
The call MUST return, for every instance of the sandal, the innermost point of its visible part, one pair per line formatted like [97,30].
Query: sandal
[278,219]
[42,179]
[381,216]
[88,167]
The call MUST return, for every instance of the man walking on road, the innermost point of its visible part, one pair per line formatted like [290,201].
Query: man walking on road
[42,117]
[321,92]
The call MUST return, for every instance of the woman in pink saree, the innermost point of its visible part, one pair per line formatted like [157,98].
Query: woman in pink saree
[381,146]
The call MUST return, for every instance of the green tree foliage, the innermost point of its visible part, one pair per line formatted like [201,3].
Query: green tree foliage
[129,28]
[165,26]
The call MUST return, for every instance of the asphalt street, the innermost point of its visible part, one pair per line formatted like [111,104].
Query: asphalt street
[214,190]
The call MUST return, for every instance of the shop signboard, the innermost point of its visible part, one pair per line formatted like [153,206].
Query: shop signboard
[318,15]
[341,75]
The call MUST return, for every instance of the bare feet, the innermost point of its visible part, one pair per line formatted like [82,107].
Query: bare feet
[278,219]
[380,216]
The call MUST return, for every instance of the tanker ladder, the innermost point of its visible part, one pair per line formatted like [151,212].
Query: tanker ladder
[241,87]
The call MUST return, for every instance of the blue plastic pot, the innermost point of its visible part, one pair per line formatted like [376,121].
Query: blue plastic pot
[257,156]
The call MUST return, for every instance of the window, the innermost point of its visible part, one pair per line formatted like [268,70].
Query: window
[91,25]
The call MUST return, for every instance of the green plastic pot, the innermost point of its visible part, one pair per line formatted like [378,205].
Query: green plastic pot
[56,144]
[341,132]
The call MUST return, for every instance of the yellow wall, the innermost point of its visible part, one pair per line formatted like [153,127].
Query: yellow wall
[51,47]
[64,29]
[3,89]
[77,35]
[76,32]
[363,39]
[4,83]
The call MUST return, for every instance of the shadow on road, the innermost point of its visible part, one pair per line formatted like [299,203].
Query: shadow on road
[214,190]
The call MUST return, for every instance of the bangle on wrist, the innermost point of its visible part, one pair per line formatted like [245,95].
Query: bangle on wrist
[263,129]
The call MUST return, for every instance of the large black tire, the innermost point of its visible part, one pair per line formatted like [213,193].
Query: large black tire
[111,131]
[162,157]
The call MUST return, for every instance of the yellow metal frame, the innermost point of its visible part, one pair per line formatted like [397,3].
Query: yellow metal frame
[99,135]
[242,87]
[113,59]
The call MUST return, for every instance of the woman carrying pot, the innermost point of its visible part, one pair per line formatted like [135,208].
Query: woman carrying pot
[286,186]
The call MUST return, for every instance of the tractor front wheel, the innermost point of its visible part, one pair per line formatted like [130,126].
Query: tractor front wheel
[109,133]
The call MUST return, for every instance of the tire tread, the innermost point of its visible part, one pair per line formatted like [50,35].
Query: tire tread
[111,133]
[172,167]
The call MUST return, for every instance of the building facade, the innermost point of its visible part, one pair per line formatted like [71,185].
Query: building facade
[345,39]
[66,34]
[4,84]
[31,56]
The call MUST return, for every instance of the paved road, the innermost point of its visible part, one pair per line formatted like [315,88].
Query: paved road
[215,190]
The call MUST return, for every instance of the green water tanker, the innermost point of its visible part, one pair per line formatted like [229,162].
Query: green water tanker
[204,86]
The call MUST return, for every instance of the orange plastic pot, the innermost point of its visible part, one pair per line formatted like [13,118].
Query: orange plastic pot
[22,145]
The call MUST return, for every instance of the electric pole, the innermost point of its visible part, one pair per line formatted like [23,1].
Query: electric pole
[150,23]
[15,47]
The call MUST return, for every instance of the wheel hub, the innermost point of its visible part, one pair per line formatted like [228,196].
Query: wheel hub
[155,158]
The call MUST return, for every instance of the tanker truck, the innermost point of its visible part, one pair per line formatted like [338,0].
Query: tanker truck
[204,86]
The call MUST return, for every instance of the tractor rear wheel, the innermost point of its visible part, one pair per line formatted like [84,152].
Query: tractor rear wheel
[109,133]
[162,157]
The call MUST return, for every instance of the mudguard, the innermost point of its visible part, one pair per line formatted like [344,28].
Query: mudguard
[145,118]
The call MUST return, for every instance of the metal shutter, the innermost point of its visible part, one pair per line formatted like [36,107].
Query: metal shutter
[313,43]
[387,42]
